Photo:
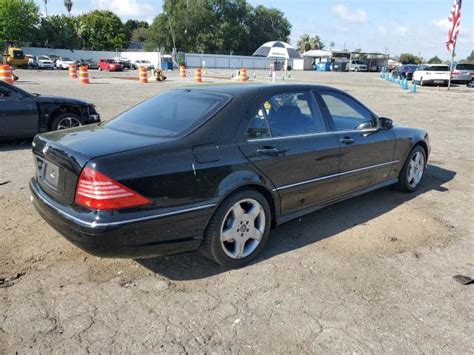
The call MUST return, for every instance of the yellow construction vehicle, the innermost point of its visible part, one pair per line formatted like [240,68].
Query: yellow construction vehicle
[14,56]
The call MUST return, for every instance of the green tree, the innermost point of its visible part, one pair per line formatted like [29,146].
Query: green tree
[408,58]
[18,20]
[101,30]
[266,24]
[435,60]
[216,26]
[306,43]
[132,26]
[58,31]
[139,35]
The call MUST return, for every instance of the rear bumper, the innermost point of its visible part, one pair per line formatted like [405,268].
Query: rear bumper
[463,79]
[160,234]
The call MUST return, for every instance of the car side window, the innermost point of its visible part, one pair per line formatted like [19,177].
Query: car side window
[258,127]
[293,113]
[347,113]
[5,92]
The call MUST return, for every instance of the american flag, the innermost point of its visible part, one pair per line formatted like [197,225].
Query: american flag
[454,24]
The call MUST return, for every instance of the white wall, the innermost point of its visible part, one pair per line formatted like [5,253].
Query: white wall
[193,60]
[221,61]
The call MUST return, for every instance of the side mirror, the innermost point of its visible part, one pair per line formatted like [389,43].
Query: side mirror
[364,125]
[385,123]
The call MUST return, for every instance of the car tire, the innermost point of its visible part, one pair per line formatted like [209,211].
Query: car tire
[413,170]
[66,120]
[238,230]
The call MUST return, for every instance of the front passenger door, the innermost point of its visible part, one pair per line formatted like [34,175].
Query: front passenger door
[366,151]
[18,114]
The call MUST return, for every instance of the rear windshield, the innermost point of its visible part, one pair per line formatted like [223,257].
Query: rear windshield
[439,68]
[170,114]
[465,67]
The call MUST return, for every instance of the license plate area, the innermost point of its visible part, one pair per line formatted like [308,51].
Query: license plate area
[47,173]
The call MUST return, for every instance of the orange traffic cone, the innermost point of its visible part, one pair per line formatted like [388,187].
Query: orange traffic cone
[142,75]
[72,71]
[182,71]
[6,74]
[83,75]
[243,74]
[197,75]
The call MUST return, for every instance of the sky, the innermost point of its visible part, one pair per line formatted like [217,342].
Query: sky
[392,26]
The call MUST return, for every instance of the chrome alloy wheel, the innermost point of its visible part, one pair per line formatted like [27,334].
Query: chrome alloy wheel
[69,122]
[416,169]
[243,228]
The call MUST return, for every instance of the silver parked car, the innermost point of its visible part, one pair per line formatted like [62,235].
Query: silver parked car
[463,73]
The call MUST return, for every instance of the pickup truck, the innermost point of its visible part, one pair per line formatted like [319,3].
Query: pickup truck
[431,74]
[357,66]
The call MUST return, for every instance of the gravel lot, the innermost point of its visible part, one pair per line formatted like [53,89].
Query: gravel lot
[373,274]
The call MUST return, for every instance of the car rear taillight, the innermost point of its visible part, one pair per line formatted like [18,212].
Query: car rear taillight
[96,191]
[456,73]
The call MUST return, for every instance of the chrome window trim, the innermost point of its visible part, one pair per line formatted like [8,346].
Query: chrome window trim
[362,131]
[335,175]
[117,223]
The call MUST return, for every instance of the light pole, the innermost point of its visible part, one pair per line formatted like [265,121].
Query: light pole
[173,53]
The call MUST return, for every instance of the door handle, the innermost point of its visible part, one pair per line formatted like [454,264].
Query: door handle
[268,151]
[347,140]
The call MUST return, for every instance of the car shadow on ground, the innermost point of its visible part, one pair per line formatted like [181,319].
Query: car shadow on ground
[324,223]
[9,145]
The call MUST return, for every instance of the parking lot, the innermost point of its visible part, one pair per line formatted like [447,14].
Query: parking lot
[373,274]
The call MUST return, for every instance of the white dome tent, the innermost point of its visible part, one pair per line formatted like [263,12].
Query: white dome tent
[277,49]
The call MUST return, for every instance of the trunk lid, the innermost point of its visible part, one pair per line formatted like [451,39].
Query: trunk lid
[60,156]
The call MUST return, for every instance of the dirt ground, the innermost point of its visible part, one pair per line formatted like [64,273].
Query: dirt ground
[373,274]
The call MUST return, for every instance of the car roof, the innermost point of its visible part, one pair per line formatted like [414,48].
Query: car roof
[239,89]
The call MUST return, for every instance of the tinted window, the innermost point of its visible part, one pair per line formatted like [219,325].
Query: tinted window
[439,68]
[258,127]
[18,54]
[292,114]
[170,113]
[465,67]
[347,113]
[4,91]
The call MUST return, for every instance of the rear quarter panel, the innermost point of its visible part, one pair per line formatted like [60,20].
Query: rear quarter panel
[178,177]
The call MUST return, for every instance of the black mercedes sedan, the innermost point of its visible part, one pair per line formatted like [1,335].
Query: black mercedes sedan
[23,114]
[214,168]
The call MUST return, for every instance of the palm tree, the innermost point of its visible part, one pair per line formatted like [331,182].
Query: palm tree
[68,4]
[46,7]
[316,43]
[303,43]
[306,43]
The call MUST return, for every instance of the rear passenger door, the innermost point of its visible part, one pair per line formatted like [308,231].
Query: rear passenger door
[288,141]
[366,151]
